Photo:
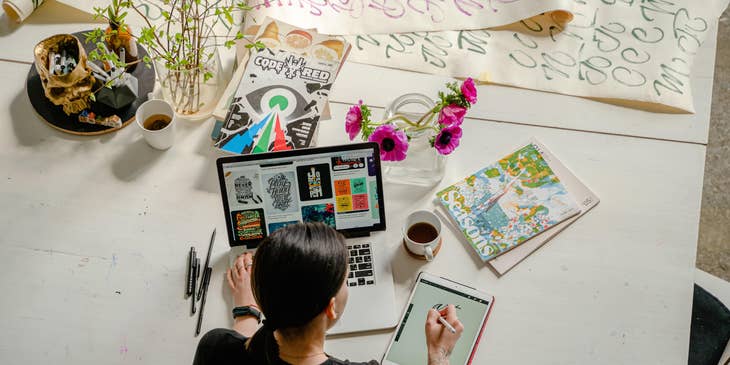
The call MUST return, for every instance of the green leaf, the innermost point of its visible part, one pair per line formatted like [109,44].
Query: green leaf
[207,76]
[92,96]
[229,43]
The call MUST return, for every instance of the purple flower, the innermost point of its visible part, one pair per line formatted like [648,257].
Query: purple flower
[452,114]
[393,143]
[469,91]
[353,120]
[448,139]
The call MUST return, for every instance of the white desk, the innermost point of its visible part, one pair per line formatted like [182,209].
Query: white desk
[96,231]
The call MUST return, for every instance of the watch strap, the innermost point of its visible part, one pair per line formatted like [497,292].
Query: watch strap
[247,311]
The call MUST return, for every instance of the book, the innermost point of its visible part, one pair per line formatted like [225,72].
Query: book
[508,202]
[582,195]
[283,90]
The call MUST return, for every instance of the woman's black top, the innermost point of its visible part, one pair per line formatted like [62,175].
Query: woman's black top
[223,347]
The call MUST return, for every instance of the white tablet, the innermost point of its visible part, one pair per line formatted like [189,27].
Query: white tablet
[408,346]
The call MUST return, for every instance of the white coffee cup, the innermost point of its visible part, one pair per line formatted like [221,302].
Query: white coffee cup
[428,242]
[160,139]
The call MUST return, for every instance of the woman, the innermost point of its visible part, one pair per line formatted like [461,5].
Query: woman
[298,279]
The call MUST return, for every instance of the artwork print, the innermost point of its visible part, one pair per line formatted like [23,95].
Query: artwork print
[247,189]
[315,182]
[276,225]
[324,213]
[248,224]
[279,188]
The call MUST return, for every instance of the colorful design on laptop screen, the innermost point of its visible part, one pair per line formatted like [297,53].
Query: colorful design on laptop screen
[337,188]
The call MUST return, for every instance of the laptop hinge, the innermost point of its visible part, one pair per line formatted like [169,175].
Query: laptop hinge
[355,234]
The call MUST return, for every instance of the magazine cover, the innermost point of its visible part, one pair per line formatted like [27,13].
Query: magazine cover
[508,202]
[283,91]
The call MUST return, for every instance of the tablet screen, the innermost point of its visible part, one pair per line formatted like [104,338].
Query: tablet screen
[409,344]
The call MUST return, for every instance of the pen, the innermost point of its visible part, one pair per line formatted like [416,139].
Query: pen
[196,271]
[191,272]
[204,284]
[207,264]
[443,321]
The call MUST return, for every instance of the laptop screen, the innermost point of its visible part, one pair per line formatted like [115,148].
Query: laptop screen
[340,186]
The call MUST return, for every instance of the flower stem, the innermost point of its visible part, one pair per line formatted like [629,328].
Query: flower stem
[397,117]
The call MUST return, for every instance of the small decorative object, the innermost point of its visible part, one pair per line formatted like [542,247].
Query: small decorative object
[183,47]
[87,116]
[119,87]
[416,132]
[119,36]
[65,75]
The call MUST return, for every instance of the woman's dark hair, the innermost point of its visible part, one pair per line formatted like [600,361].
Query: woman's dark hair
[297,270]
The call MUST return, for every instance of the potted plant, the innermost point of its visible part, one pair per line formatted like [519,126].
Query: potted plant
[183,47]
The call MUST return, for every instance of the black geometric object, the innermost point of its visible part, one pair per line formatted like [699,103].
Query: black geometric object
[54,115]
[710,328]
[118,97]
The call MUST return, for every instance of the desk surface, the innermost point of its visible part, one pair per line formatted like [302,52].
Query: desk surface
[96,230]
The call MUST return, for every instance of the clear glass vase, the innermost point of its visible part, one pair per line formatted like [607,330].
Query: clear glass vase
[423,165]
[188,90]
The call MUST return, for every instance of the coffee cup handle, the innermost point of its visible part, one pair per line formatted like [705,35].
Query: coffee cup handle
[428,252]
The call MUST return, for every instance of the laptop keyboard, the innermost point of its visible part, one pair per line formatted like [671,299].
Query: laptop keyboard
[362,271]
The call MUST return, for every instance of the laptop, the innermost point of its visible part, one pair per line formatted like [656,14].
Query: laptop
[338,185]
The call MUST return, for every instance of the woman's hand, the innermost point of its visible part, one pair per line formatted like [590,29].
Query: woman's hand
[239,280]
[439,340]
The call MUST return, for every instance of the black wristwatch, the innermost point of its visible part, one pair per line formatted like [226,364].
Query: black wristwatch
[247,311]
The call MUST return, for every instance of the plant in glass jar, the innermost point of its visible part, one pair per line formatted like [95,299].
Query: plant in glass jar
[417,139]
[183,47]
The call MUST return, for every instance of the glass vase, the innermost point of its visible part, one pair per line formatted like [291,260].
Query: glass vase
[423,165]
[190,93]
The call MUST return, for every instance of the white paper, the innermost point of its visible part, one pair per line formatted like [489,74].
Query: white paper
[620,49]
[396,16]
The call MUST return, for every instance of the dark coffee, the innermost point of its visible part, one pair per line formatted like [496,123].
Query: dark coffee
[155,122]
[422,232]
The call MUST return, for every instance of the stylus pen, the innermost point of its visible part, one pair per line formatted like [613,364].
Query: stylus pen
[442,320]
[207,264]
[206,281]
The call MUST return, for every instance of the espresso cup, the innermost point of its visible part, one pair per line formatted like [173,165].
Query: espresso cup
[422,233]
[163,138]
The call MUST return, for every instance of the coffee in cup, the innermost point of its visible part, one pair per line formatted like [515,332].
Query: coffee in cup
[422,234]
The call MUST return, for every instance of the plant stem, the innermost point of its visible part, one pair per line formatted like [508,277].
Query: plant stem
[397,117]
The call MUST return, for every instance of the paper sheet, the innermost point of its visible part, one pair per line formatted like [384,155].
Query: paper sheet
[18,10]
[623,49]
[396,16]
